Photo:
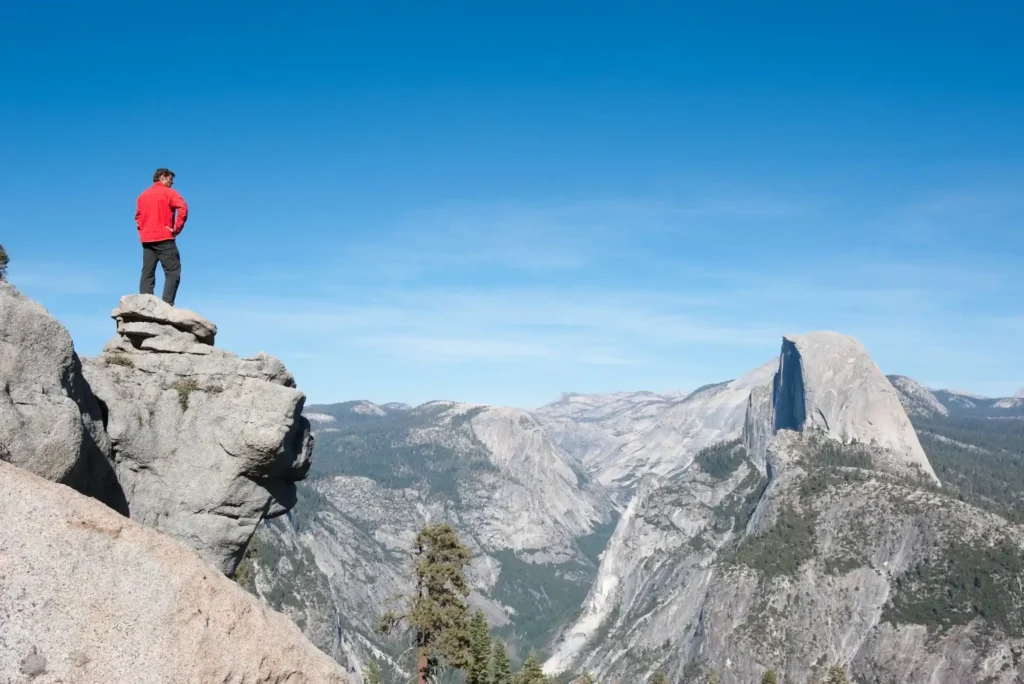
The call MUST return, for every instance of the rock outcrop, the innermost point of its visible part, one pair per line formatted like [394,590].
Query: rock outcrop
[918,401]
[50,422]
[827,382]
[802,543]
[622,439]
[205,444]
[90,597]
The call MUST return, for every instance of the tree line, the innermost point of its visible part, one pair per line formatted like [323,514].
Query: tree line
[436,620]
[446,637]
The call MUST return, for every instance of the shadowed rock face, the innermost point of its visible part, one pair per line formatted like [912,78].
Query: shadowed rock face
[781,546]
[90,597]
[50,422]
[205,444]
[827,381]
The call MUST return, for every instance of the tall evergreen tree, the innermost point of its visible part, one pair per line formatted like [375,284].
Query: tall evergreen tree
[479,650]
[4,260]
[659,678]
[769,677]
[501,668]
[436,612]
[531,673]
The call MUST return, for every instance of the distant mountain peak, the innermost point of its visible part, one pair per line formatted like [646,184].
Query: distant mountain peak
[965,393]
[917,399]
[828,381]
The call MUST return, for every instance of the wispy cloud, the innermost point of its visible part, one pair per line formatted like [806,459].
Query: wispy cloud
[615,294]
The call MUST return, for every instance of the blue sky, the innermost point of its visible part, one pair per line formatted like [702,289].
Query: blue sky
[497,202]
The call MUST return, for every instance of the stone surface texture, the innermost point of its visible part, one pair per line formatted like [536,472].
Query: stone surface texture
[672,594]
[91,597]
[205,444]
[50,422]
[827,381]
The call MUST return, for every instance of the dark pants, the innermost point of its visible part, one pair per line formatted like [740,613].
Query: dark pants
[166,252]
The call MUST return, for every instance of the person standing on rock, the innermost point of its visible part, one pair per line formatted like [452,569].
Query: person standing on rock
[160,214]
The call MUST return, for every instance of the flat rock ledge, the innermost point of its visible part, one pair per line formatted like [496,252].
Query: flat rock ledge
[147,323]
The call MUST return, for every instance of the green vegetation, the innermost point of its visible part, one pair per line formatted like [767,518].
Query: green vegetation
[544,596]
[501,668]
[479,651]
[836,675]
[4,261]
[184,388]
[722,459]
[380,450]
[532,672]
[118,359]
[244,572]
[371,673]
[659,678]
[770,677]
[821,451]
[735,510]
[436,612]
[982,458]
[593,544]
[961,582]
[782,548]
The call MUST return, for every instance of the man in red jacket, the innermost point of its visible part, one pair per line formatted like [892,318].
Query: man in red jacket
[160,214]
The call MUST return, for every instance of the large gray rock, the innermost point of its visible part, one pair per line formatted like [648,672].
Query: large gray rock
[917,400]
[135,309]
[90,597]
[827,382]
[206,444]
[666,585]
[50,422]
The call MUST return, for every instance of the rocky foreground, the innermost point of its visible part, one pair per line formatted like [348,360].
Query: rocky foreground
[89,596]
[131,486]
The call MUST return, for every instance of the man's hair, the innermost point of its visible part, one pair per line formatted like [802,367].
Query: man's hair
[162,172]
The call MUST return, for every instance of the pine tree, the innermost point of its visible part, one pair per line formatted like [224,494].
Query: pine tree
[4,260]
[714,678]
[371,673]
[479,650]
[501,669]
[585,679]
[769,677]
[436,612]
[836,675]
[531,673]
[659,678]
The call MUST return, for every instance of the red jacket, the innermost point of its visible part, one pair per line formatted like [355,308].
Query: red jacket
[155,213]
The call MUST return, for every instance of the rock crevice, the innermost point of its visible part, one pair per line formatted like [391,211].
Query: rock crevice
[827,382]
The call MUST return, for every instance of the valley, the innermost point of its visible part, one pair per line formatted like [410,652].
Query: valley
[750,524]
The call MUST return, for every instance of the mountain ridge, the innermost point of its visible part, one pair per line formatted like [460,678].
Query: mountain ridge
[723,474]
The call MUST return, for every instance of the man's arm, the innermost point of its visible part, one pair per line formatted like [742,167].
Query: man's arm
[138,216]
[178,205]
